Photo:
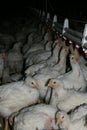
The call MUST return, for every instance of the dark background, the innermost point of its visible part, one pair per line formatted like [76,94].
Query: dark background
[72,9]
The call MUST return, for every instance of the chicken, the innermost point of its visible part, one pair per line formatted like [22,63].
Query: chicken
[40,116]
[40,45]
[45,67]
[66,99]
[43,77]
[48,35]
[16,77]
[33,69]
[48,59]
[70,79]
[60,67]
[28,44]
[55,56]
[83,65]
[39,55]
[64,122]
[72,101]
[78,112]
[42,80]
[6,76]
[34,47]
[15,58]
[62,64]
[81,60]
[17,95]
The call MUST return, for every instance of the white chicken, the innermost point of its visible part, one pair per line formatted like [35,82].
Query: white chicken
[43,77]
[83,65]
[42,80]
[78,112]
[33,69]
[48,35]
[28,44]
[44,66]
[35,46]
[40,45]
[75,78]
[70,79]
[64,122]
[39,55]
[17,95]
[55,56]
[60,67]
[6,76]
[40,116]
[66,99]
[81,60]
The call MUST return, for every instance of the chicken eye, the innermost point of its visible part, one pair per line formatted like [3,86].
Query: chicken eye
[62,117]
[54,82]
[32,83]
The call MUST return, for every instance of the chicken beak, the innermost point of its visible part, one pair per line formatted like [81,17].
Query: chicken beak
[58,120]
[48,83]
[37,85]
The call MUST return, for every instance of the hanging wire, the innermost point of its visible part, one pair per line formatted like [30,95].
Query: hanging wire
[46,6]
[50,5]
